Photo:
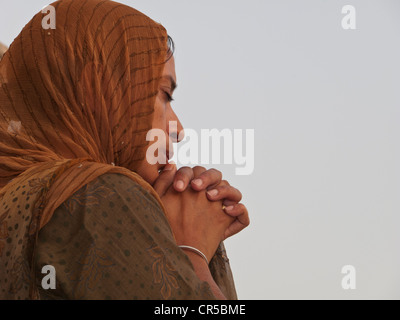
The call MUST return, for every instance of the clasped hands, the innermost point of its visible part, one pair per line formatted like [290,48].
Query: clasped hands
[202,209]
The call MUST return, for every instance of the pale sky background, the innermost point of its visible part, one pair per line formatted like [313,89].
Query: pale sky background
[325,105]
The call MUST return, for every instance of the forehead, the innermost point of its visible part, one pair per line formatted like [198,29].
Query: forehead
[169,68]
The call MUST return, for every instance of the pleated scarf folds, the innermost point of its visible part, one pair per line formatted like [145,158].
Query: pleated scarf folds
[76,102]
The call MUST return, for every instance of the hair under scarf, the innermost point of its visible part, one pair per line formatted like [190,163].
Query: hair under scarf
[76,102]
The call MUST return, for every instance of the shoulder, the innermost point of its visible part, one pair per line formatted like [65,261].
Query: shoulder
[111,191]
[113,200]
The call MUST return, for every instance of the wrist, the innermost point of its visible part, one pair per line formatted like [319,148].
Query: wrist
[195,255]
[203,272]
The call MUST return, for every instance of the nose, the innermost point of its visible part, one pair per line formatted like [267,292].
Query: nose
[176,131]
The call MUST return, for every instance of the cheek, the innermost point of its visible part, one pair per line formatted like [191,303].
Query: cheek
[160,116]
[146,170]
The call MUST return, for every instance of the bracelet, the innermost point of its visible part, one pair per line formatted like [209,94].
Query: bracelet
[195,251]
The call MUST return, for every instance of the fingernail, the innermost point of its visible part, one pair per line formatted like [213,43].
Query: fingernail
[213,192]
[229,208]
[168,167]
[179,184]
[197,182]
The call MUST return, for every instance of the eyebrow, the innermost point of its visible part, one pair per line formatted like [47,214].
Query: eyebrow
[173,83]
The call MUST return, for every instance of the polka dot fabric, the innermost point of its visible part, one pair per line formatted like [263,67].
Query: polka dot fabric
[111,240]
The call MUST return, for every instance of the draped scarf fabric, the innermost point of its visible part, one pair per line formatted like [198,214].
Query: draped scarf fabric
[82,94]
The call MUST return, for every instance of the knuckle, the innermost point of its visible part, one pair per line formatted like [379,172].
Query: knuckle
[215,172]
[222,190]
[185,168]
[198,170]
[224,183]
[235,191]
[227,189]
[184,172]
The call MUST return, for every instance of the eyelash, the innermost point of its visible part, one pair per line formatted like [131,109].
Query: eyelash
[169,97]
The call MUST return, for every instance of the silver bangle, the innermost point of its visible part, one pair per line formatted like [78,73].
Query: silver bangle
[196,251]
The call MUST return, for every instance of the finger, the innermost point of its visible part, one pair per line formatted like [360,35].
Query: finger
[227,203]
[236,210]
[224,192]
[242,219]
[182,178]
[207,179]
[198,170]
[165,179]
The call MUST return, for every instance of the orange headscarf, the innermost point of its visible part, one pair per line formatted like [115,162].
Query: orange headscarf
[76,102]
[83,91]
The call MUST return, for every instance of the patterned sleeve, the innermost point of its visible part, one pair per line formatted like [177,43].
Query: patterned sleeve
[111,240]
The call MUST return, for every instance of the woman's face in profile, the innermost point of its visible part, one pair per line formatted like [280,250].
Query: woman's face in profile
[163,114]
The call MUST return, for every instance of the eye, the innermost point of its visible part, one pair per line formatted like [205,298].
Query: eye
[169,97]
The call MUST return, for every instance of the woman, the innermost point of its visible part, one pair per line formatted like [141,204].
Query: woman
[77,190]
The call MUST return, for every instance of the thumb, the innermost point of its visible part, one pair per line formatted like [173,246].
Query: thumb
[165,179]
